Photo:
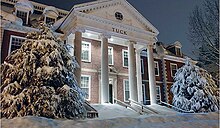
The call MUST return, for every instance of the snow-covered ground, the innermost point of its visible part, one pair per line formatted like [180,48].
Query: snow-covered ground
[118,117]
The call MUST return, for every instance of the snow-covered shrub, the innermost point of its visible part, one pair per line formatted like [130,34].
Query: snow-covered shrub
[194,89]
[38,80]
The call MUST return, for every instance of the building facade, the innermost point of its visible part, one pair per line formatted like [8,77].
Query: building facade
[116,47]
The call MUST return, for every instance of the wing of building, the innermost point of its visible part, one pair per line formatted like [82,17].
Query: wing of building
[115,46]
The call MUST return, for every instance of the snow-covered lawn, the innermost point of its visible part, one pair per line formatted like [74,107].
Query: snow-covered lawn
[207,120]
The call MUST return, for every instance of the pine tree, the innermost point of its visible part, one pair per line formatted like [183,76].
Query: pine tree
[194,90]
[38,79]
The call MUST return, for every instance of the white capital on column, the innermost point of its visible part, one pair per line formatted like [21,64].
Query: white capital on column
[139,77]
[104,69]
[132,72]
[151,72]
[78,29]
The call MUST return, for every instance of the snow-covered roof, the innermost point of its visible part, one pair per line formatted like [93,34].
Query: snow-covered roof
[25,4]
[10,17]
[50,10]
[58,23]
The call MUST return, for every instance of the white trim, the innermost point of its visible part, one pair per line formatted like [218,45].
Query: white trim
[123,50]
[142,66]
[124,88]
[171,71]
[25,11]
[89,86]
[89,43]
[158,72]
[13,36]
[88,70]
[112,52]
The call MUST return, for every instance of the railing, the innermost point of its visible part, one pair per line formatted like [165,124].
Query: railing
[127,106]
[91,112]
[178,109]
[144,107]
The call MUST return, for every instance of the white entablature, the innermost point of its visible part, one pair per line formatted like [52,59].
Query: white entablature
[100,16]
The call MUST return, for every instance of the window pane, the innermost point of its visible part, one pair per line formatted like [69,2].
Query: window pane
[126,91]
[110,55]
[22,15]
[85,56]
[16,43]
[156,68]
[125,58]
[50,20]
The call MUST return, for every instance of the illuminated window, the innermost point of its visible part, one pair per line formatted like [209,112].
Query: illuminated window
[110,56]
[125,58]
[126,90]
[85,85]
[86,51]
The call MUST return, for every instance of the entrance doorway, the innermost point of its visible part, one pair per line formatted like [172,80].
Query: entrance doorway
[110,93]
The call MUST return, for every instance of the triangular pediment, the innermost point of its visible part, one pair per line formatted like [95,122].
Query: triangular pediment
[118,11]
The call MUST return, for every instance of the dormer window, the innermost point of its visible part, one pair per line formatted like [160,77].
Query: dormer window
[49,20]
[23,8]
[178,51]
[23,15]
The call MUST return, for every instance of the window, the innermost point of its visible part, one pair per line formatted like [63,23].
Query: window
[126,90]
[142,66]
[178,52]
[110,56]
[85,85]
[173,69]
[158,92]
[23,16]
[86,51]
[15,43]
[125,58]
[49,20]
[156,68]
[118,16]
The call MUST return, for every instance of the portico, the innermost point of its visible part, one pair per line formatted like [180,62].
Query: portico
[114,22]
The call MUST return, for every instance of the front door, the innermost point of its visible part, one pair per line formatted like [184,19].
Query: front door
[110,94]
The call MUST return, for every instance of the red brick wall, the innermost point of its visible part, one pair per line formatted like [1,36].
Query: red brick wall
[6,42]
[168,62]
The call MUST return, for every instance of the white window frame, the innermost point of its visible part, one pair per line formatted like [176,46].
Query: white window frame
[89,86]
[142,66]
[123,50]
[85,42]
[171,71]
[21,10]
[112,53]
[158,72]
[124,80]
[13,36]
[179,49]
[158,94]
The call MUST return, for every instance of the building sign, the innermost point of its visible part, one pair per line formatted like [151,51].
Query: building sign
[119,31]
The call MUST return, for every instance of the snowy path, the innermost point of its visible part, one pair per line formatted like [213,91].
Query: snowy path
[162,109]
[109,111]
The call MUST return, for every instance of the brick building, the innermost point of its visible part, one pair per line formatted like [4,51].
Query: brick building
[116,47]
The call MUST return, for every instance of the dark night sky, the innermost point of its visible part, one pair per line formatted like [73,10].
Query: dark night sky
[170,17]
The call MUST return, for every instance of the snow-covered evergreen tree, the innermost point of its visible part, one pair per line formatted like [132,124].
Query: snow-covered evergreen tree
[194,90]
[38,79]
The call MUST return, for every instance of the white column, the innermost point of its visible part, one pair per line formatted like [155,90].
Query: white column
[151,72]
[132,72]
[77,53]
[104,69]
[139,77]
